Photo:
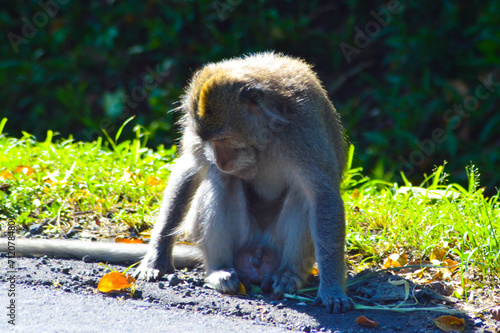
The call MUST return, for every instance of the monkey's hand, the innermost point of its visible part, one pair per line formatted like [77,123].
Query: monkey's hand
[224,281]
[334,298]
[284,281]
[153,270]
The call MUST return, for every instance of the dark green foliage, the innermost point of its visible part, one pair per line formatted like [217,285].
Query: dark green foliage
[93,64]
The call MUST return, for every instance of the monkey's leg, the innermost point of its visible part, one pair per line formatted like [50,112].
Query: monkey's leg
[181,185]
[291,234]
[224,226]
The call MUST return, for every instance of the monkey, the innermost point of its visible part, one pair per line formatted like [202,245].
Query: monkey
[257,182]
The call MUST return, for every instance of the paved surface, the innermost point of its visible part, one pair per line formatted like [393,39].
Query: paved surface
[48,310]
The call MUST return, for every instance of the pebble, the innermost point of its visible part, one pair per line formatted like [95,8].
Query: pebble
[36,229]
[87,259]
[173,280]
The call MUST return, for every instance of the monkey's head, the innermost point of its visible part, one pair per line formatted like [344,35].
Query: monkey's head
[225,110]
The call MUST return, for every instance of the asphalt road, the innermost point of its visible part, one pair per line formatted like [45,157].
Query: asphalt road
[39,309]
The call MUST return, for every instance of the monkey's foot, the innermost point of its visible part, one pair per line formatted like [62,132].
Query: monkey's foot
[334,299]
[225,281]
[282,282]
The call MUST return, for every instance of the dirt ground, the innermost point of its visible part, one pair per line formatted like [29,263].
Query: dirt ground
[186,290]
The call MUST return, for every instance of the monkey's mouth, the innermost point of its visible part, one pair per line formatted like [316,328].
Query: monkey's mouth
[224,154]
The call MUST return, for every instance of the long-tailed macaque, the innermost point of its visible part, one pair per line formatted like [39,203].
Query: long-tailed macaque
[257,181]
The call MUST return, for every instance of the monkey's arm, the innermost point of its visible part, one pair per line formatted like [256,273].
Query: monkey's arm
[184,180]
[328,228]
[119,253]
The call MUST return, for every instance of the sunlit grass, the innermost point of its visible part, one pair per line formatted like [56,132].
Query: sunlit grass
[121,183]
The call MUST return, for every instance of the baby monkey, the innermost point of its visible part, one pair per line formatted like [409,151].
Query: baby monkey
[257,181]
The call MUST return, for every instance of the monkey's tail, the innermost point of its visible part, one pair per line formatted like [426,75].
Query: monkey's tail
[185,256]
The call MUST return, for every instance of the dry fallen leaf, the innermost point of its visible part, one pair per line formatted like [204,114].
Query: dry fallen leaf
[243,290]
[314,271]
[452,265]
[395,260]
[133,240]
[24,169]
[495,312]
[5,175]
[153,181]
[115,281]
[450,323]
[362,320]
[437,254]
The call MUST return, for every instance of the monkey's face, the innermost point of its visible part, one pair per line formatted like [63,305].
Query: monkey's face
[224,123]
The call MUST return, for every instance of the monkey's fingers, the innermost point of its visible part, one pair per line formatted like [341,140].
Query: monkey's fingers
[148,274]
[282,282]
[224,281]
[334,301]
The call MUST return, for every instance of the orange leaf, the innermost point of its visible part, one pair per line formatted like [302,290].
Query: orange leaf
[362,320]
[115,281]
[153,181]
[495,312]
[5,175]
[451,264]
[24,169]
[133,240]
[314,271]
[395,260]
[355,194]
[450,323]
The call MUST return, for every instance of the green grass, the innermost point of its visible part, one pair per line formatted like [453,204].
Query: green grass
[113,183]
[106,184]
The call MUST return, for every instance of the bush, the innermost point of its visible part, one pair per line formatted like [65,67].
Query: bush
[398,71]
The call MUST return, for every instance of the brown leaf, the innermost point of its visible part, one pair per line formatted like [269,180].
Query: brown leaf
[153,181]
[451,264]
[24,169]
[5,175]
[115,281]
[437,254]
[450,323]
[495,312]
[362,320]
[243,290]
[395,260]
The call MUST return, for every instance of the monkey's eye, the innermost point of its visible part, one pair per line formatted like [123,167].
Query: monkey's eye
[251,94]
